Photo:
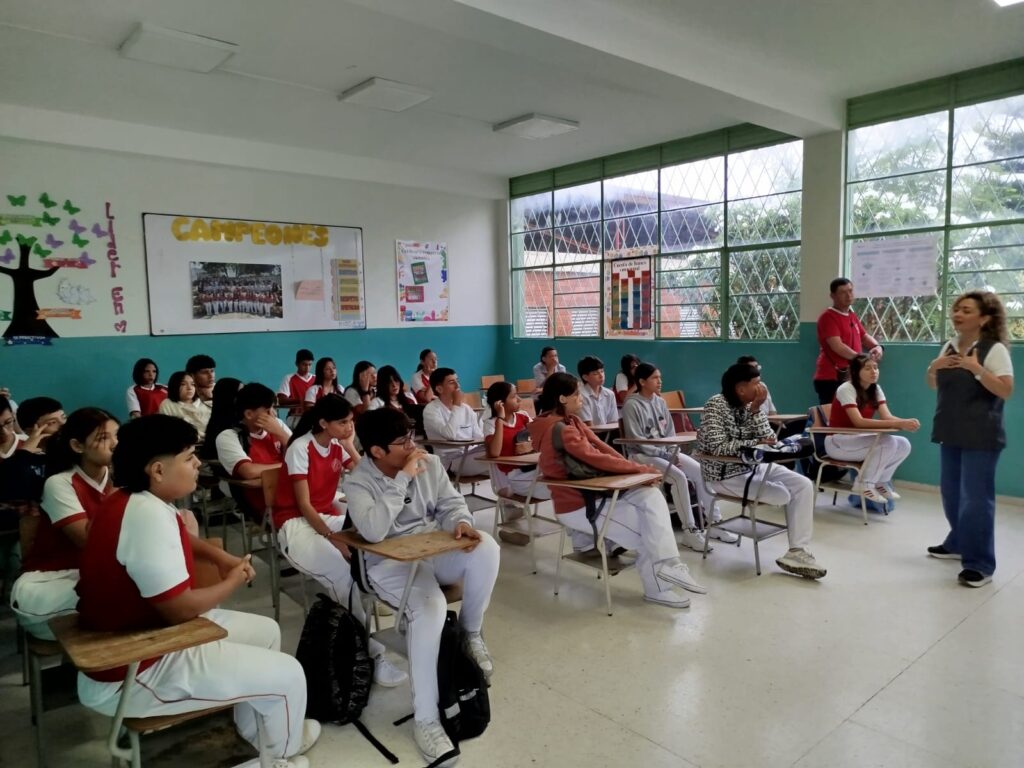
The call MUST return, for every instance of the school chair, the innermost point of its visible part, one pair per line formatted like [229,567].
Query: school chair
[676,402]
[526,387]
[100,651]
[746,523]
[529,407]
[529,523]
[486,381]
[472,399]
[211,474]
[269,479]
[819,430]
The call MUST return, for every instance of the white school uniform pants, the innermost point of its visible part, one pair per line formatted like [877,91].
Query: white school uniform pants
[246,669]
[452,461]
[889,453]
[640,522]
[426,607]
[686,470]
[785,488]
[38,596]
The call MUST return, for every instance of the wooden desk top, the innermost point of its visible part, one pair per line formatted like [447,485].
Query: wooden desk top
[595,428]
[99,651]
[522,460]
[439,443]
[416,546]
[683,438]
[786,416]
[699,409]
[851,430]
[607,483]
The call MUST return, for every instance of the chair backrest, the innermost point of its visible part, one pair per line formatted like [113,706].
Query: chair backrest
[673,398]
[526,386]
[529,406]
[472,399]
[486,381]
[676,400]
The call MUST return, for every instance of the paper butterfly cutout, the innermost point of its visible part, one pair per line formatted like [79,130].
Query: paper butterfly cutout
[46,201]
[70,208]
[86,260]
[18,201]
[8,256]
[98,231]
[53,242]
[5,237]
[48,219]
[75,227]
[80,242]
[40,251]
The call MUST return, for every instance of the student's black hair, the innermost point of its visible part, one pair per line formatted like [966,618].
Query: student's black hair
[252,396]
[5,405]
[588,365]
[838,283]
[381,427]
[357,369]
[318,371]
[737,373]
[865,396]
[555,386]
[643,371]
[33,409]
[174,386]
[144,439]
[625,364]
[199,362]
[329,408]
[423,356]
[222,414]
[140,366]
[497,393]
[438,376]
[302,355]
[60,457]
[544,351]
[385,376]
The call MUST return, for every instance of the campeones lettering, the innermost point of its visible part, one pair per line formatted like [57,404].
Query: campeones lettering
[184,228]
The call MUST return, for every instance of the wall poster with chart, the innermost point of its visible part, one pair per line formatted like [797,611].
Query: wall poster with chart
[209,275]
[629,299]
[423,295]
[906,266]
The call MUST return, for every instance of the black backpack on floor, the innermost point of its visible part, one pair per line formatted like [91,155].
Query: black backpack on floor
[334,654]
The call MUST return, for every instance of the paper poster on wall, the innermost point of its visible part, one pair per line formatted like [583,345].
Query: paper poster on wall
[61,257]
[629,295]
[422,281]
[897,267]
[209,275]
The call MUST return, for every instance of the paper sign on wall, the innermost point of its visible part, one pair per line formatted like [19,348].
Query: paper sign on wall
[897,267]
[422,281]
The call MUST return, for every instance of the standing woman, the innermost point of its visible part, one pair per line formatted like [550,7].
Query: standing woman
[363,390]
[421,379]
[974,377]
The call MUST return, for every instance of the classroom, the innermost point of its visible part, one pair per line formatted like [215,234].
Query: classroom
[685,184]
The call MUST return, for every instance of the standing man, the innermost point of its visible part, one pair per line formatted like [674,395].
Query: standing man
[841,338]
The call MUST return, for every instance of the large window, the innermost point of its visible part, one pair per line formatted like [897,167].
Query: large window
[723,229]
[956,174]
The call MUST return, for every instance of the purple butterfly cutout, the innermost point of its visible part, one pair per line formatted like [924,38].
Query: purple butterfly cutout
[84,259]
[75,227]
[53,242]
[98,230]
[8,256]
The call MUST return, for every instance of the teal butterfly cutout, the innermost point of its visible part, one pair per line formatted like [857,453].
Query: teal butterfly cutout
[70,208]
[46,201]
[79,242]
[19,201]
[48,219]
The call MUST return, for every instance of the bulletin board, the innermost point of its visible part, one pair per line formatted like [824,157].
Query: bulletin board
[209,275]
[423,295]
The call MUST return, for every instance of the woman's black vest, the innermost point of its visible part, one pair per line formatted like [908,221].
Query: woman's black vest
[967,415]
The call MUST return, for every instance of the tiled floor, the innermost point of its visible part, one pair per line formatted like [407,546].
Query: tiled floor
[886,662]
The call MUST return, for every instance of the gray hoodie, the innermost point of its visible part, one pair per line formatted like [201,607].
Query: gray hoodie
[647,418]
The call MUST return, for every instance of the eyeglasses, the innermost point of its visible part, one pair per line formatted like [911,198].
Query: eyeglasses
[409,439]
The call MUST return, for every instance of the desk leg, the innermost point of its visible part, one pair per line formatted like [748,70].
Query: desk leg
[752,504]
[462,464]
[529,524]
[405,596]
[604,554]
[131,754]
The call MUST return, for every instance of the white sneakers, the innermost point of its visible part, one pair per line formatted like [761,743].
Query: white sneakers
[669,599]
[433,741]
[474,645]
[724,536]
[310,734]
[692,539]
[679,574]
[386,674]
[802,563]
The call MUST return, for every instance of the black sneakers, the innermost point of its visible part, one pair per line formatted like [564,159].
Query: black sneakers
[942,553]
[971,578]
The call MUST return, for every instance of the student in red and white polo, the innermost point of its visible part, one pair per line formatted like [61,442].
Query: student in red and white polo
[136,574]
[78,461]
[307,512]
[325,382]
[293,387]
[145,395]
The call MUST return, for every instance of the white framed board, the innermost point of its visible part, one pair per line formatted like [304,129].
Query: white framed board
[211,275]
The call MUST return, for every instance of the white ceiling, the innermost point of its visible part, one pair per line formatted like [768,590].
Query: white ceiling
[631,72]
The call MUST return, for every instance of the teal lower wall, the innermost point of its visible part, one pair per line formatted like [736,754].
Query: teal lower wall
[696,368]
[97,371]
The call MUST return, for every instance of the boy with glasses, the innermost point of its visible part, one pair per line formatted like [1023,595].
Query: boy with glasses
[400,489]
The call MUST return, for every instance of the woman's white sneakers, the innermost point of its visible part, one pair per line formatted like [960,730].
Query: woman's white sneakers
[386,674]
[433,741]
[802,563]
[669,599]
[679,574]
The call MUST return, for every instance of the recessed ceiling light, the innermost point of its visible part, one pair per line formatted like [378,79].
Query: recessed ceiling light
[171,48]
[385,94]
[534,126]
[1005,3]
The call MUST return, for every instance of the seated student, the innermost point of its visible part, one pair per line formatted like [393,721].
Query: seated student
[183,401]
[788,429]
[292,392]
[505,434]
[399,489]
[6,393]
[645,414]
[307,512]
[599,405]
[77,462]
[22,474]
[136,573]
[363,390]
[255,443]
[448,418]
[420,380]
[145,395]
[548,365]
[855,404]
[625,383]
[733,420]
[8,429]
[641,520]
[325,382]
[202,368]
[222,415]
[391,391]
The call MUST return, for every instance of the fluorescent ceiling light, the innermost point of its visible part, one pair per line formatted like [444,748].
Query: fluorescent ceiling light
[534,126]
[385,94]
[1005,3]
[171,48]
